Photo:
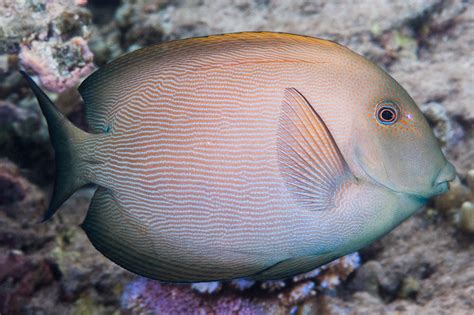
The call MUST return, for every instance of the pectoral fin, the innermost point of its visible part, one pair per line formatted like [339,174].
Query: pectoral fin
[311,163]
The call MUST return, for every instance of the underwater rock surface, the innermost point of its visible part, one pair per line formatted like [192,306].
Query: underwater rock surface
[239,296]
[423,266]
[48,38]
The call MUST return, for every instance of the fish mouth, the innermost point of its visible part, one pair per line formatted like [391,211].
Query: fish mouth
[445,175]
[440,185]
[440,188]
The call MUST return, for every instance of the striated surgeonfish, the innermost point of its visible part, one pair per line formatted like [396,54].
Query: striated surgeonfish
[255,155]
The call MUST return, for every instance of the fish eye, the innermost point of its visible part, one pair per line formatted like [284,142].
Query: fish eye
[387,113]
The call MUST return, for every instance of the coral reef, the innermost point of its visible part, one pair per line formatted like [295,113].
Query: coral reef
[24,137]
[457,203]
[423,266]
[146,296]
[448,132]
[59,65]
[20,200]
[41,264]
[239,296]
[49,39]
[21,276]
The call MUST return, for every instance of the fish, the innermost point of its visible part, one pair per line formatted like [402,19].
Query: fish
[252,155]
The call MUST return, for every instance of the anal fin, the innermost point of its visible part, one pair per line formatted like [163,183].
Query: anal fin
[118,236]
[292,266]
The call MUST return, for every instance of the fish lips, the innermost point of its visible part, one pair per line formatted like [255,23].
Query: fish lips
[447,174]
[440,188]
[439,185]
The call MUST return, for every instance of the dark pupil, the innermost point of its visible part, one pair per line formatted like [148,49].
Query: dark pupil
[387,114]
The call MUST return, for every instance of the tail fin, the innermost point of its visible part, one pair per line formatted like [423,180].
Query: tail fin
[68,141]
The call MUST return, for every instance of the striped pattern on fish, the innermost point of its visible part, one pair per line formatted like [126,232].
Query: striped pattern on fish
[231,156]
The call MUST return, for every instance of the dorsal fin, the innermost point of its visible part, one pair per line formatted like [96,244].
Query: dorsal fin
[310,161]
[109,88]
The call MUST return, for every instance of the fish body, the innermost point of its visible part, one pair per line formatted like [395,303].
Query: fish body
[258,155]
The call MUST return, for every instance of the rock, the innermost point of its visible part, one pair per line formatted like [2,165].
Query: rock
[24,137]
[371,278]
[470,181]
[9,82]
[361,303]
[50,39]
[453,198]
[207,287]
[74,281]
[144,296]
[445,129]
[105,43]
[140,22]
[20,277]
[273,285]
[19,199]
[298,293]
[59,65]
[409,288]
[12,189]
[86,305]
[141,294]
[335,272]
[12,236]
[242,284]
[466,217]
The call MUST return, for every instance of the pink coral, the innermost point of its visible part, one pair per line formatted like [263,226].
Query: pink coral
[50,39]
[49,62]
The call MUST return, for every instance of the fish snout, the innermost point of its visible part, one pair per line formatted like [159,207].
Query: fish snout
[447,174]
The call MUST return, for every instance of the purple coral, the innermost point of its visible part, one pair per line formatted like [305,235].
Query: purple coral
[21,275]
[143,295]
[147,296]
